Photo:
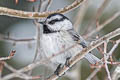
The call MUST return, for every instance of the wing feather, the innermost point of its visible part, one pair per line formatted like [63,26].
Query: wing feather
[76,37]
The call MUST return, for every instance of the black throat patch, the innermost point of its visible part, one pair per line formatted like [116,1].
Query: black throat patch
[46,30]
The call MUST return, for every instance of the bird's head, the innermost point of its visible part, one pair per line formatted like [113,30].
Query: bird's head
[56,22]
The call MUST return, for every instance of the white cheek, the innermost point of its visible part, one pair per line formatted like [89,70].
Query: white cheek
[57,26]
[66,25]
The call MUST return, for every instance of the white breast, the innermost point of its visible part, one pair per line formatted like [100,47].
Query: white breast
[54,43]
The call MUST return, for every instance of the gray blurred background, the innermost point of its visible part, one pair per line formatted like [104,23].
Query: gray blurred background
[24,28]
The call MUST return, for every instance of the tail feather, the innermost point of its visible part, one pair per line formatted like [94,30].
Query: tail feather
[91,58]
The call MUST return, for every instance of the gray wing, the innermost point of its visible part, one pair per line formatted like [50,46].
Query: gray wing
[76,37]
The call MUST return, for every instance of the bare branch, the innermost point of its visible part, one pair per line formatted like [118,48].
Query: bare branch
[109,54]
[96,18]
[38,34]
[93,73]
[39,6]
[48,4]
[101,26]
[80,55]
[116,73]
[74,60]
[12,53]
[11,39]
[18,74]
[19,40]
[1,68]
[80,15]
[100,10]
[105,60]
[37,15]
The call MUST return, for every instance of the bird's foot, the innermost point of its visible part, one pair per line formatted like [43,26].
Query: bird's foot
[67,63]
[58,70]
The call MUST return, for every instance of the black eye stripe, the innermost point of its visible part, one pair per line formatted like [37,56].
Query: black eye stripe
[55,20]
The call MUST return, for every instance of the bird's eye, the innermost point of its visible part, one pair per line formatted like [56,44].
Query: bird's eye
[52,22]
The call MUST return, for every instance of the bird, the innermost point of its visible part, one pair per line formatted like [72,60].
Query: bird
[59,34]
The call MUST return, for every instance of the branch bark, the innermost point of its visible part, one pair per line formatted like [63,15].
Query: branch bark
[37,15]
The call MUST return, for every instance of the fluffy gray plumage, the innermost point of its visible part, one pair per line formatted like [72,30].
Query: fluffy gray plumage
[58,34]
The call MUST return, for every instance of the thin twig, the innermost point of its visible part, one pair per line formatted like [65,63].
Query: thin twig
[19,40]
[105,60]
[40,6]
[101,26]
[116,73]
[106,68]
[100,11]
[96,18]
[80,15]
[38,34]
[109,54]
[11,39]
[12,53]
[93,73]
[48,4]
[1,68]
[18,74]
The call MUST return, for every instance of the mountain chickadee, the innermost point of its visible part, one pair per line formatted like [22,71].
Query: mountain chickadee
[58,34]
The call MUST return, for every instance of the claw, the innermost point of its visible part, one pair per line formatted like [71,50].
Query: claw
[67,63]
[57,70]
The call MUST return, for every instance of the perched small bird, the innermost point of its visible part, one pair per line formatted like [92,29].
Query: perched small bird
[59,34]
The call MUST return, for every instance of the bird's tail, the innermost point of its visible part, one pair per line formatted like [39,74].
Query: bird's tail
[91,58]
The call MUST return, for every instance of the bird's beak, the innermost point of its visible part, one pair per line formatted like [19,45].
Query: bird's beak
[42,23]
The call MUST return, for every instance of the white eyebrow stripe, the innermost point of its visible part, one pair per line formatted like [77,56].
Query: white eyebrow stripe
[55,17]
